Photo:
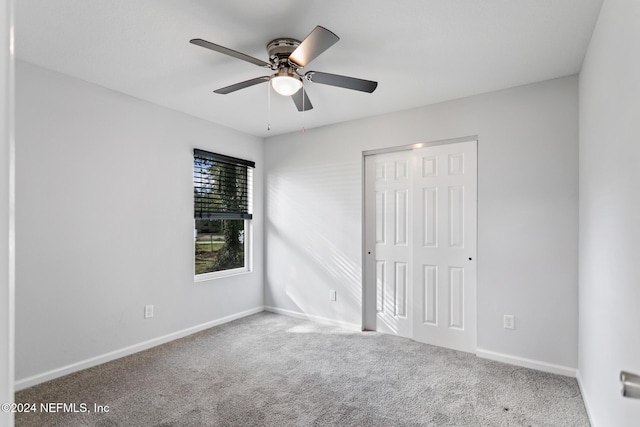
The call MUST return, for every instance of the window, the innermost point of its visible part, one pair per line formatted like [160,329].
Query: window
[222,195]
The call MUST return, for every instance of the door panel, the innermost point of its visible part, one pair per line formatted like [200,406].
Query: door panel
[456,217]
[400,294]
[380,217]
[430,289]
[430,217]
[401,215]
[456,298]
[381,285]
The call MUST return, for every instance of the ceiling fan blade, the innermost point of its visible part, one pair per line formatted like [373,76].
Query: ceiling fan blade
[301,100]
[317,42]
[242,85]
[341,81]
[230,52]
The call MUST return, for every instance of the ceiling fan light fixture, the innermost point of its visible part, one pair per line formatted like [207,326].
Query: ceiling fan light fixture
[286,83]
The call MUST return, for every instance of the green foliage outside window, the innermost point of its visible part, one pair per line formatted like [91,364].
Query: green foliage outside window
[219,245]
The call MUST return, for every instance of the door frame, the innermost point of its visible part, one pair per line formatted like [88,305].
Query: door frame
[368,254]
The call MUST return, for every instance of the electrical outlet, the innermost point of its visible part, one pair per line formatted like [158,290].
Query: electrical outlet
[332,295]
[509,321]
[148,311]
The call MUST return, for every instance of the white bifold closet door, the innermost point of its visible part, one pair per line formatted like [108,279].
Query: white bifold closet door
[421,214]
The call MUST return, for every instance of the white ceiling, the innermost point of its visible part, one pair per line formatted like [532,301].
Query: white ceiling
[421,51]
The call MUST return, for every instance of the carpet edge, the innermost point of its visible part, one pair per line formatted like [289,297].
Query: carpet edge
[319,319]
[126,351]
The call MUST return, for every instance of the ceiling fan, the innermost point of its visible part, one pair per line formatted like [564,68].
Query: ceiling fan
[287,57]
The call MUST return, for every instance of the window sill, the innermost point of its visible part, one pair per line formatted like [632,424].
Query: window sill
[220,274]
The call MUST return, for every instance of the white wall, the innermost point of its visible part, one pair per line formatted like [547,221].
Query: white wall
[105,222]
[527,208]
[6,180]
[610,213]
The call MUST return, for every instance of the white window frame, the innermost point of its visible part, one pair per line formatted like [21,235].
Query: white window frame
[248,245]
[248,261]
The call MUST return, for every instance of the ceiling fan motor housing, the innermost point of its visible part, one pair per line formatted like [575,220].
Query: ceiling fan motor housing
[279,51]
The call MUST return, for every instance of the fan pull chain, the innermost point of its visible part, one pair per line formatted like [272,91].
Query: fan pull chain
[268,106]
[303,109]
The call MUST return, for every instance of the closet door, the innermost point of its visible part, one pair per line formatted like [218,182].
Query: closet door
[420,243]
[392,241]
[444,245]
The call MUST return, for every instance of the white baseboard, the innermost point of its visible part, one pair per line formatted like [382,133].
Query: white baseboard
[527,363]
[319,319]
[585,400]
[98,360]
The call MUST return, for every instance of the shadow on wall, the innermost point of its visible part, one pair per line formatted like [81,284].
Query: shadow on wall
[315,238]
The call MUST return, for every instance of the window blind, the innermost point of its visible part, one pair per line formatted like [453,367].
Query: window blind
[221,186]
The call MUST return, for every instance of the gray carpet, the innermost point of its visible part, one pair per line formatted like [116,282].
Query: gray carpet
[272,370]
